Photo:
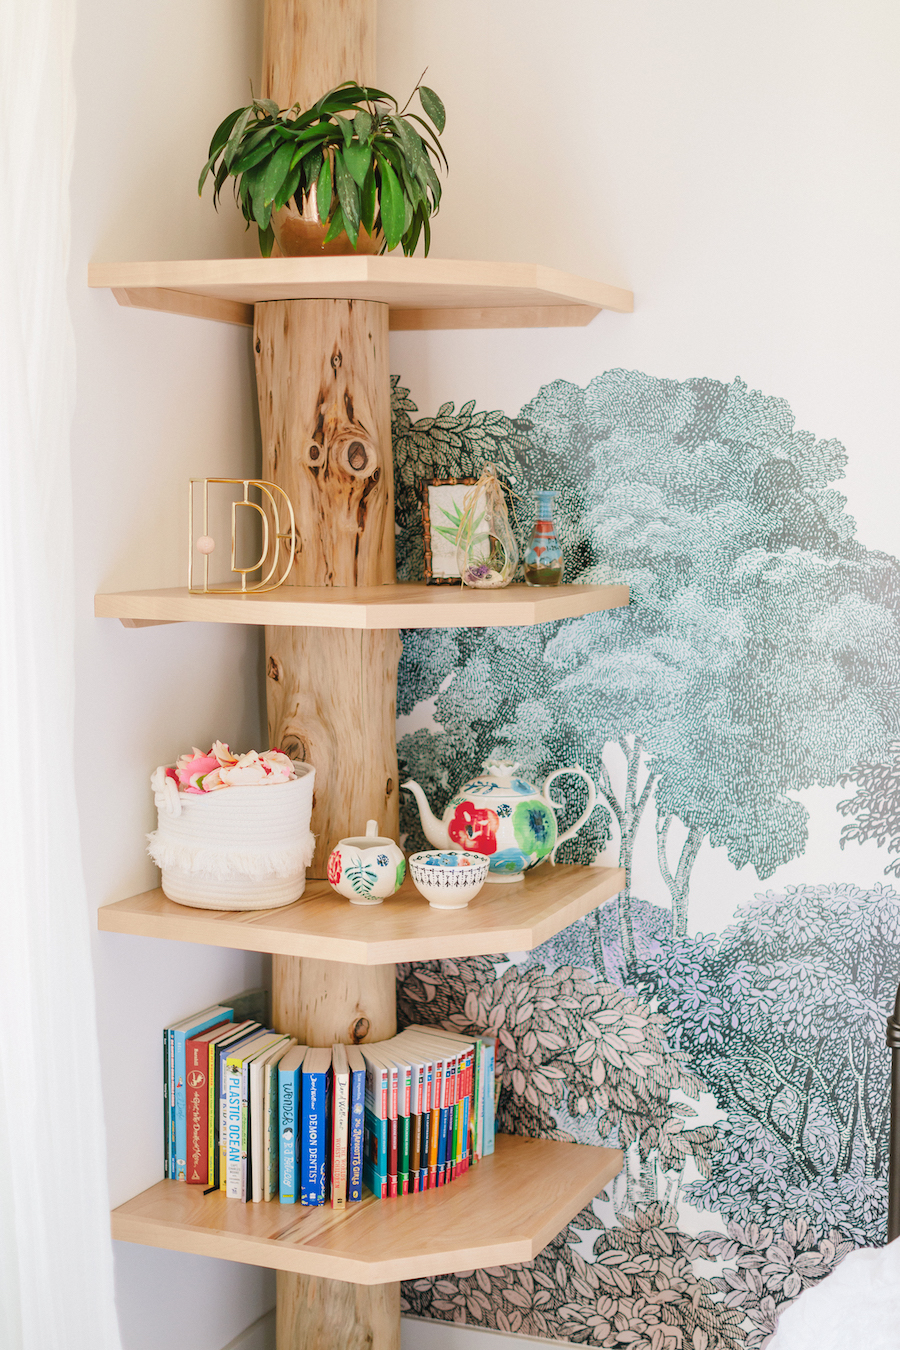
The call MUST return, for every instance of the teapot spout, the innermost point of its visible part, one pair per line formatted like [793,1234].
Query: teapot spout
[435,831]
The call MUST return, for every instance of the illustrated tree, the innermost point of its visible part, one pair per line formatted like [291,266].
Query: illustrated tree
[876,806]
[782,1017]
[573,1049]
[760,653]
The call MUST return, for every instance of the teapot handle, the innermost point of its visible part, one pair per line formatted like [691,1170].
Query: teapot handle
[557,806]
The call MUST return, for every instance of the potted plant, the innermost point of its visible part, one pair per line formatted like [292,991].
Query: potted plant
[351,173]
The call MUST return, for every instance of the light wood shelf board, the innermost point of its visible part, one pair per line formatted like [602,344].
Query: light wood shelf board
[405,605]
[452,293]
[506,1209]
[514,917]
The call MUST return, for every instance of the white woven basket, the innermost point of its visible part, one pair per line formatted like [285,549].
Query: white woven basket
[237,848]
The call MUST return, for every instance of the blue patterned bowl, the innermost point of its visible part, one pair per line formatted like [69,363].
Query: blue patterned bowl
[448,880]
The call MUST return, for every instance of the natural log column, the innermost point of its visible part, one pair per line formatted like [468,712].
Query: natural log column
[324,401]
[334,1315]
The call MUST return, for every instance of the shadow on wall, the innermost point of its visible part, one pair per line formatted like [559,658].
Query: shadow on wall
[760,655]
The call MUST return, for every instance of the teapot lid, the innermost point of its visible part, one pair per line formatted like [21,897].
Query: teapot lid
[500,775]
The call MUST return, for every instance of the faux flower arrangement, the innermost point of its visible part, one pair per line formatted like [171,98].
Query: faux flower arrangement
[220,768]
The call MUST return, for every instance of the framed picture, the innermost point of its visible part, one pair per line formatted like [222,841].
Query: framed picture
[442,509]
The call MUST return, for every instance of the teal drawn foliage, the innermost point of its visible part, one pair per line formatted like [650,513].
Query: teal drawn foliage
[760,656]
[361,876]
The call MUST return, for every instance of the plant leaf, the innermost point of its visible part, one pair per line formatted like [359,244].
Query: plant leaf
[276,172]
[392,209]
[266,240]
[433,106]
[348,196]
[358,158]
[288,187]
[323,190]
[368,201]
[268,106]
[222,132]
[234,140]
[252,157]
[432,144]
[362,123]
[345,126]
[336,226]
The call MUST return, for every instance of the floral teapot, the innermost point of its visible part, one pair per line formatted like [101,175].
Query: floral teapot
[503,816]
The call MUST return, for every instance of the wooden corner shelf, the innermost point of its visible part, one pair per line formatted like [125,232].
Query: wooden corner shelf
[516,917]
[505,1209]
[405,605]
[423,293]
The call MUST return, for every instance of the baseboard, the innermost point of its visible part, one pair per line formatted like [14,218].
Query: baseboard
[416,1333]
[260,1335]
[423,1333]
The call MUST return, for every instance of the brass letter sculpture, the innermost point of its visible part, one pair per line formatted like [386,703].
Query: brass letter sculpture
[272,535]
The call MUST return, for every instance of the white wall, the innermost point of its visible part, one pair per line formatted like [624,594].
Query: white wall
[734,164]
[159,399]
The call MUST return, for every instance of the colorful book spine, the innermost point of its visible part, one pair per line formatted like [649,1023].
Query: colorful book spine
[289,1125]
[315,1124]
[357,1122]
[490,1049]
[166,1151]
[340,1125]
[233,1131]
[196,1060]
[177,1047]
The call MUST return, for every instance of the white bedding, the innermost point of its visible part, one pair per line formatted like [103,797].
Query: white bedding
[856,1308]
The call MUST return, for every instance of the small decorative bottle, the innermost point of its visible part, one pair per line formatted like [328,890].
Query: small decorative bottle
[543,557]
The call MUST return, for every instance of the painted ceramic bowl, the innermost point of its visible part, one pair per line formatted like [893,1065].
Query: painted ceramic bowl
[448,880]
[368,868]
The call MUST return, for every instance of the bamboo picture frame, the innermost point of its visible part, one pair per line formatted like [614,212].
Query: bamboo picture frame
[439,499]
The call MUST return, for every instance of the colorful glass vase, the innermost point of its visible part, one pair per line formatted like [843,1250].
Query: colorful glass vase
[543,557]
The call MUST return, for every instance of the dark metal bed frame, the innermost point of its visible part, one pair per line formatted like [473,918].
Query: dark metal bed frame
[893,1040]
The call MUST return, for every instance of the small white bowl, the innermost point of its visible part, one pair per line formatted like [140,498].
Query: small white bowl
[449,879]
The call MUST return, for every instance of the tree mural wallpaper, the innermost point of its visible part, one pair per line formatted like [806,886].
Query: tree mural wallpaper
[743,1070]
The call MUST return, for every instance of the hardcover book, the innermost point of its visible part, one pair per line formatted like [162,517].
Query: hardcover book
[179,1034]
[289,1125]
[357,1066]
[196,1062]
[340,1125]
[316,1101]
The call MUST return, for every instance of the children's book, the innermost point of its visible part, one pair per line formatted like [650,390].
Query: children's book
[271,1150]
[491,1082]
[179,1033]
[258,1117]
[225,1036]
[357,1066]
[289,1091]
[316,1101]
[247,1031]
[237,1062]
[340,1125]
[196,1061]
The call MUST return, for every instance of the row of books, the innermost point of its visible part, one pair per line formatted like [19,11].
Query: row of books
[251,1112]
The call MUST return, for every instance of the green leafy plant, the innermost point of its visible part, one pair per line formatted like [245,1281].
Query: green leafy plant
[356,149]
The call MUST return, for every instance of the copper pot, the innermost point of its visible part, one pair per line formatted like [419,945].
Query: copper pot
[302,234]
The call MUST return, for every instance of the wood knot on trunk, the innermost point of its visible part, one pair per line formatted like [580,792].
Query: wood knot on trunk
[357,456]
[273,670]
[360,1030]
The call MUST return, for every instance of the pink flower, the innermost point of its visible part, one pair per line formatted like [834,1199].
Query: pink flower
[248,771]
[223,754]
[281,770]
[191,770]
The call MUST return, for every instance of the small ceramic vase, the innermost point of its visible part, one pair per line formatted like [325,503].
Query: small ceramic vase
[449,880]
[366,869]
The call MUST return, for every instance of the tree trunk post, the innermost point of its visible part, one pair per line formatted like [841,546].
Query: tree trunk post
[324,403]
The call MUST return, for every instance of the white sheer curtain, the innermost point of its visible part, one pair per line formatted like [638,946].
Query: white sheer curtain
[55,1259]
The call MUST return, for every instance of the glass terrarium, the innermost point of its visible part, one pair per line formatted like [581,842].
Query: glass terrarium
[486,550]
